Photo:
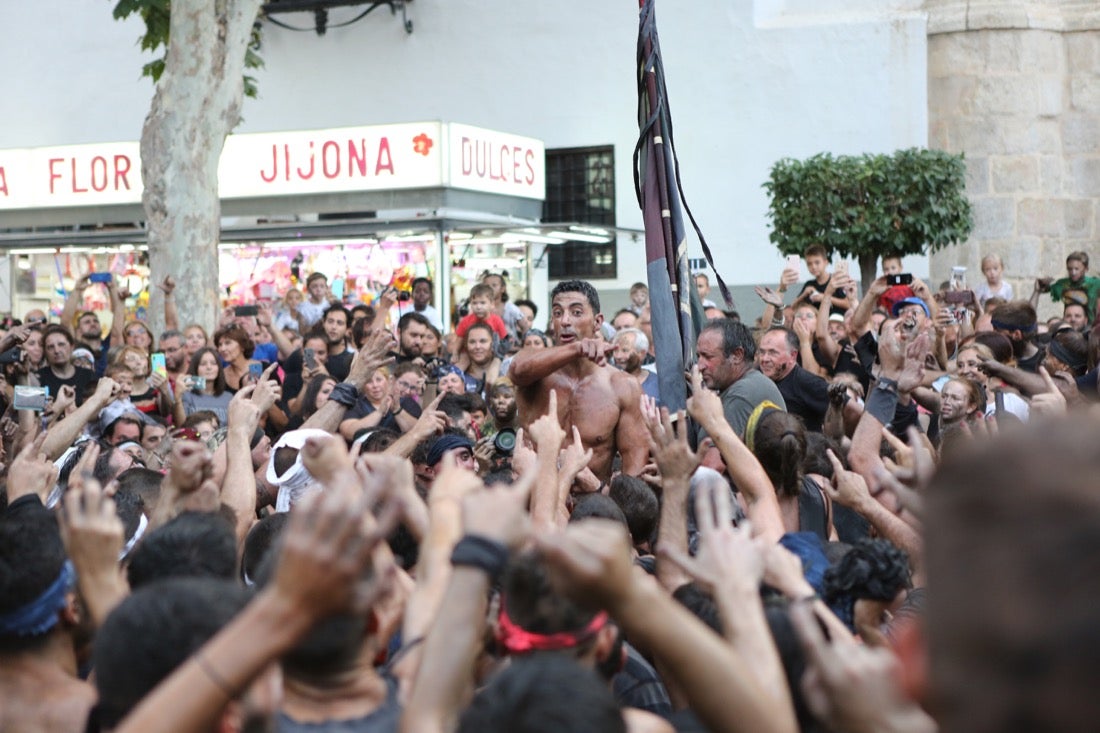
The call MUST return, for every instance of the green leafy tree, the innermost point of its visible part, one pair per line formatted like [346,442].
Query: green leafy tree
[156,15]
[869,206]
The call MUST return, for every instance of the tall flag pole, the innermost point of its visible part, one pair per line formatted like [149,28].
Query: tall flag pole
[660,195]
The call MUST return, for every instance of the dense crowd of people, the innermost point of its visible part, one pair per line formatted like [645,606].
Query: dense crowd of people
[877,513]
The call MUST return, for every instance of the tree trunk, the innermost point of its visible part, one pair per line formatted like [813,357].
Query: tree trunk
[868,267]
[196,104]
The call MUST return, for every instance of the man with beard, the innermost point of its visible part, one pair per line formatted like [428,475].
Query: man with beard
[602,402]
[89,331]
[334,324]
[631,347]
[411,330]
[1017,320]
[175,359]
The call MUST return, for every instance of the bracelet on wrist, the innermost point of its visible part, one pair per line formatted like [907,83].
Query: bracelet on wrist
[344,394]
[479,552]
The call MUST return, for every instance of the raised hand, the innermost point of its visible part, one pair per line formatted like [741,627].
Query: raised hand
[268,391]
[327,458]
[675,458]
[191,466]
[574,457]
[523,457]
[325,563]
[498,514]
[769,296]
[851,687]
[31,472]
[546,432]
[704,405]
[596,350]
[243,411]
[94,539]
[727,554]
[848,487]
[374,354]
[590,562]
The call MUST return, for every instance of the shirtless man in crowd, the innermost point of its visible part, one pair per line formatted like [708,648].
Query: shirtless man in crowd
[601,401]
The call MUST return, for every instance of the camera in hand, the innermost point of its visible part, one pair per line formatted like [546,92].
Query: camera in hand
[245,310]
[12,356]
[196,382]
[505,441]
[436,367]
[404,295]
[959,297]
[904,278]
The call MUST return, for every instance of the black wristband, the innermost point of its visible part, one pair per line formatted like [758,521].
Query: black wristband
[883,401]
[480,552]
[344,394]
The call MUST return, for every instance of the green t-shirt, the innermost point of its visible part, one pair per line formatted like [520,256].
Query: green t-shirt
[1083,293]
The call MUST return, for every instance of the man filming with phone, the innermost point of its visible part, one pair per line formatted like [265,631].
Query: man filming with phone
[89,331]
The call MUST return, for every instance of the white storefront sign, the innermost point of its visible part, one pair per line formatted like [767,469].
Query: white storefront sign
[366,158]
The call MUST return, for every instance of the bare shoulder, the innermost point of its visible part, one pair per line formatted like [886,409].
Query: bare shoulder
[628,389]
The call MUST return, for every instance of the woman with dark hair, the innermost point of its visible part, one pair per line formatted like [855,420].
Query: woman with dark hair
[202,387]
[235,348]
[778,440]
[314,396]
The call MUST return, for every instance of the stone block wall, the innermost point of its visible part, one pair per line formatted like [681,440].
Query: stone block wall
[1022,102]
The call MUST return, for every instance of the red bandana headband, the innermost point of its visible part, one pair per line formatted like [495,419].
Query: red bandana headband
[516,640]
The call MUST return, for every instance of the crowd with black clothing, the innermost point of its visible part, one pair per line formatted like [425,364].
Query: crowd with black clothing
[335,518]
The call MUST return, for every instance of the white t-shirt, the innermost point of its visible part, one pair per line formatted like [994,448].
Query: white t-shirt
[311,311]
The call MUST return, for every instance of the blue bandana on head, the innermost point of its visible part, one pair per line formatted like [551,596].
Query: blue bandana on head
[446,442]
[40,615]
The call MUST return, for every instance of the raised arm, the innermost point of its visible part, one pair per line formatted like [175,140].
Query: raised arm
[676,462]
[861,319]
[239,484]
[826,344]
[495,522]
[531,365]
[321,569]
[548,509]
[73,301]
[282,343]
[374,354]
[591,562]
[63,433]
[118,314]
[745,471]
[171,314]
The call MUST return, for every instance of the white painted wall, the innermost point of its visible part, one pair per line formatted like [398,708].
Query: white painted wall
[749,83]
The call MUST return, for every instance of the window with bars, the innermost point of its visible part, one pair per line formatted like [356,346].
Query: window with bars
[580,188]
